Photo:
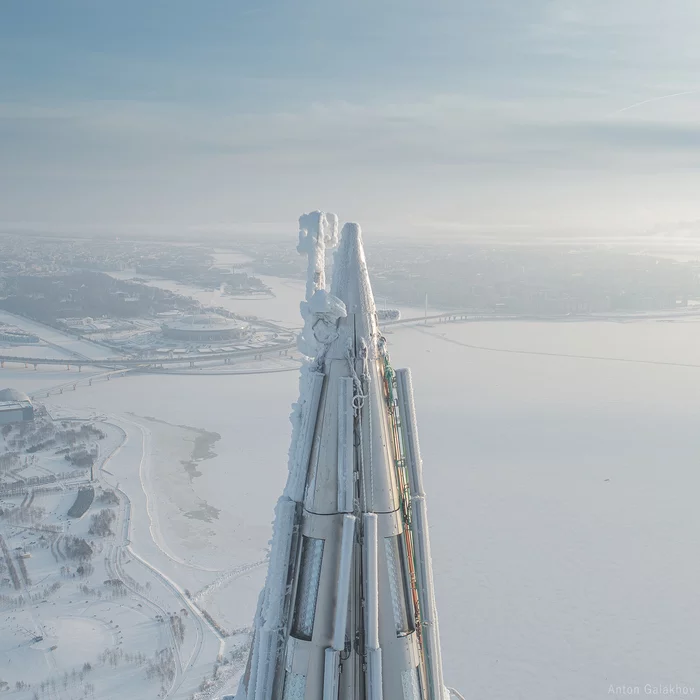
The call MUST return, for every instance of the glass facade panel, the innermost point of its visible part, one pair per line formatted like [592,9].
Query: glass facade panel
[307,588]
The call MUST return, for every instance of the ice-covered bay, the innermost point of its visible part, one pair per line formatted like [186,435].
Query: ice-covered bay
[563,504]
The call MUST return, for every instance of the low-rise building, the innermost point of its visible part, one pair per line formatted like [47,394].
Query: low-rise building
[15,407]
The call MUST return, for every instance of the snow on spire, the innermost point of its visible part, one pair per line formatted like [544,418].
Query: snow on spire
[317,232]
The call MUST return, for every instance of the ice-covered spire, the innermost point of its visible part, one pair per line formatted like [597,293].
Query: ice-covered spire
[320,311]
[317,231]
[348,609]
[352,286]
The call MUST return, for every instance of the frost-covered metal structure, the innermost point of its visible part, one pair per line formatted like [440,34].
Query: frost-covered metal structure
[348,611]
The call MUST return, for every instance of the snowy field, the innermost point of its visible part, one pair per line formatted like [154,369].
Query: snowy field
[561,491]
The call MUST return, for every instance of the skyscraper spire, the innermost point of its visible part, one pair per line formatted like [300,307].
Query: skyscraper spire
[348,611]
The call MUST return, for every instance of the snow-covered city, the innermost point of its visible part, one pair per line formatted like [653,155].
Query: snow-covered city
[137,497]
[349,351]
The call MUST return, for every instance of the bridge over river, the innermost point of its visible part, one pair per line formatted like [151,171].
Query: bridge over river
[146,363]
[171,360]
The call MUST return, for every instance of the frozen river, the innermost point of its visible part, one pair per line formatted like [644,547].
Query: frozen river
[562,493]
[281,308]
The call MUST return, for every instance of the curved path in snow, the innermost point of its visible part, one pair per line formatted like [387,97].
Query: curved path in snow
[227,577]
[203,628]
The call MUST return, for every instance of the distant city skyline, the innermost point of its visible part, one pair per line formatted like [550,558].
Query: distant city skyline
[454,118]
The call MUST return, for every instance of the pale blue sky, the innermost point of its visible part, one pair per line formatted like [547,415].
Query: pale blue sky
[410,117]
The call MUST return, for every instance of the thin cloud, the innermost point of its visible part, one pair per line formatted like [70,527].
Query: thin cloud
[650,100]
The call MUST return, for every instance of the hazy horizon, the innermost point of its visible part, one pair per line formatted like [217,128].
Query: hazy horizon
[516,118]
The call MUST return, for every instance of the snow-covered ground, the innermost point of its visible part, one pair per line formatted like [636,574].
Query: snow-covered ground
[62,341]
[561,494]
[67,629]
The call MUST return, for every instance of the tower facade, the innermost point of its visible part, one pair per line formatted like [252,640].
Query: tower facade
[348,611]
